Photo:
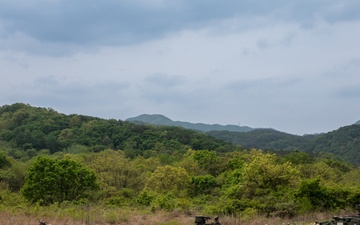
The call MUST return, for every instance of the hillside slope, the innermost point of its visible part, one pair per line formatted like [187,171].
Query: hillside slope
[157,119]
[33,129]
[343,142]
[266,139]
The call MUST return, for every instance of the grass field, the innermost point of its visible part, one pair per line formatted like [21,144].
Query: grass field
[128,217]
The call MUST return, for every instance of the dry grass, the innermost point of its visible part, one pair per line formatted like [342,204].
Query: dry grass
[121,217]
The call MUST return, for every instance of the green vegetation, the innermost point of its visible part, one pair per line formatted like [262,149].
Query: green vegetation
[49,181]
[35,130]
[156,119]
[343,143]
[67,162]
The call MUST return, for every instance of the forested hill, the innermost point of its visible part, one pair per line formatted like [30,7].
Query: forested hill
[34,129]
[267,139]
[157,119]
[343,142]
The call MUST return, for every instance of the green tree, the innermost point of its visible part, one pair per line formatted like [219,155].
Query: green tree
[49,181]
[264,172]
[298,158]
[14,176]
[168,178]
[115,171]
[4,162]
[321,170]
[268,184]
[190,164]
[312,195]
[208,161]
[202,184]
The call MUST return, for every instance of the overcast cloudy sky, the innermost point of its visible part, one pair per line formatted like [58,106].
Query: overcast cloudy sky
[292,65]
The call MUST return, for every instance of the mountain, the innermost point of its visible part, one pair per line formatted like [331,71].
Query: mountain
[157,119]
[343,143]
[266,139]
[34,129]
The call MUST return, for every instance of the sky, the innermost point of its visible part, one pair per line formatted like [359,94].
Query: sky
[290,65]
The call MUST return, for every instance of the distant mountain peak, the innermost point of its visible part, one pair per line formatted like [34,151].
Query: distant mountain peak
[358,122]
[158,119]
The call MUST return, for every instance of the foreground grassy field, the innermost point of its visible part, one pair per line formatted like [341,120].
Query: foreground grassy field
[122,217]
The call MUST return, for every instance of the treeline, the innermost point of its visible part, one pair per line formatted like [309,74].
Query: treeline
[343,143]
[246,182]
[31,130]
[159,168]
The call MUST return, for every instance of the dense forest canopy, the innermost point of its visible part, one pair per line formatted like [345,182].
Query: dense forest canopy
[34,129]
[343,143]
[51,158]
[157,119]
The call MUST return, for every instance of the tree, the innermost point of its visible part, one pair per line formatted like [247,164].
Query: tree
[268,185]
[202,184]
[14,175]
[4,162]
[208,161]
[264,172]
[49,181]
[168,178]
[115,171]
[313,192]
[321,170]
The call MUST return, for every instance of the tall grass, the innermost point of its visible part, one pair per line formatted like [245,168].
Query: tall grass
[95,215]
[15,210]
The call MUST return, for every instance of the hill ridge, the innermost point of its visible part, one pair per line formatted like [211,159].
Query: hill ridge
[34,128]
[158,119]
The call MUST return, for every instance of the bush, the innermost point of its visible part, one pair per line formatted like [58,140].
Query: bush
[145,198]
[51,181]
[165,202]
[115,201]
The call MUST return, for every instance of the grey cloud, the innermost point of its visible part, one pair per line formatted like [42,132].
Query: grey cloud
[15,61]
[163,88]
[343,11]
[106,99]
[178,92]
[263,84]
[352,63]
[60,91]
[113,22]
[348,91]
[345,70]
[286,41]
[263,43]
[164,80]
